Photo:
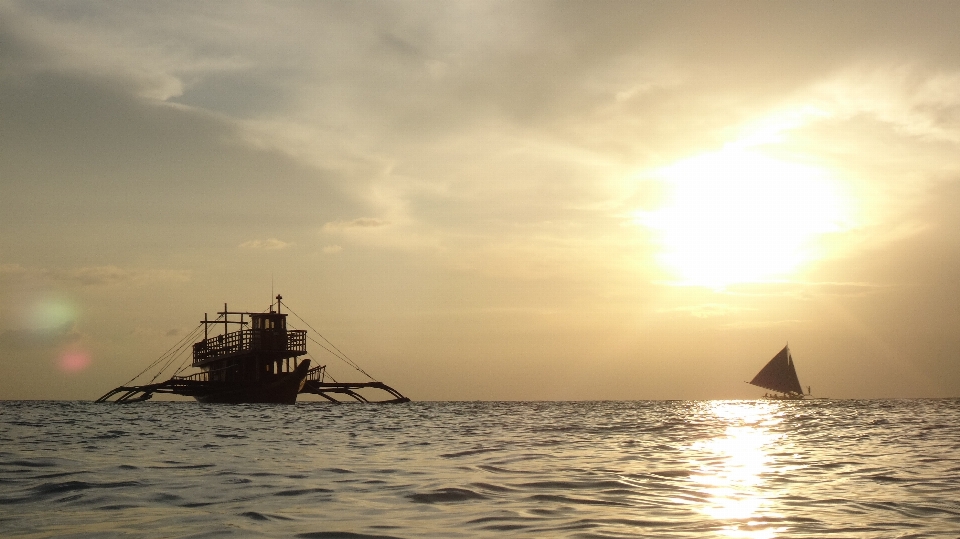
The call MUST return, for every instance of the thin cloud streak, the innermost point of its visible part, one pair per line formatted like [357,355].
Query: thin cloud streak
[271,244]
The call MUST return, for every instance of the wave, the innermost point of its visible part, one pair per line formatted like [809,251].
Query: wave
[446,495]
[565,470]
[343,535]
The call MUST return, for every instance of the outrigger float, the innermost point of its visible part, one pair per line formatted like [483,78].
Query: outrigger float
[258,363]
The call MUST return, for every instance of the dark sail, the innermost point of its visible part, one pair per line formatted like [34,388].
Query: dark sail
[779,374]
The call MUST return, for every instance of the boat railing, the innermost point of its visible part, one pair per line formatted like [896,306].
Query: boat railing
[213,375]
[250,339]
[317,373]
[198,377]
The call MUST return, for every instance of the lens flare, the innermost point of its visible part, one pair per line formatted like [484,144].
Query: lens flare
[51,314]
[74,360]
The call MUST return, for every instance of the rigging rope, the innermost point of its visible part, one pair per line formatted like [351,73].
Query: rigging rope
[183,365]
[343,357]
[174,357]
[175,351]
[164,355]
[354,365]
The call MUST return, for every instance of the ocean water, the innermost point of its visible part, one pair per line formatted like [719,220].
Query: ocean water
[757,469]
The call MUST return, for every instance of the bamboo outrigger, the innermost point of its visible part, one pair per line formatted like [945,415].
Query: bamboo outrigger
[260,362]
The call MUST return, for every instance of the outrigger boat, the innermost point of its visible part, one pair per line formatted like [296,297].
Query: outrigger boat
[780,376]
[258,363]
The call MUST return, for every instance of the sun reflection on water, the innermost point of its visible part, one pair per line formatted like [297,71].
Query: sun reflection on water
[732,466]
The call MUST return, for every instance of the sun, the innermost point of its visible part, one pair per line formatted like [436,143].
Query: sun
[738,215]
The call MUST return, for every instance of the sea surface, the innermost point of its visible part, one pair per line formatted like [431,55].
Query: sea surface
[760,469]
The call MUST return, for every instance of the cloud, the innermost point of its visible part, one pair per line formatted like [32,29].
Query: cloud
[28,339]
[805,290]
[12,270]
[131,172]
[92,275]
[707,310]
[361,223]
[918,100]
[761,324]
[490,150]
[268,244]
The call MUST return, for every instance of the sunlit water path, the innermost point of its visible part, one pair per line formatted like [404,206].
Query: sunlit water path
[596,469]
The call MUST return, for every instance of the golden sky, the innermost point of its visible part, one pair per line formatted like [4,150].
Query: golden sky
[488,200]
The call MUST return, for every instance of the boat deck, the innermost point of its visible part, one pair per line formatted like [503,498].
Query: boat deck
[195,386]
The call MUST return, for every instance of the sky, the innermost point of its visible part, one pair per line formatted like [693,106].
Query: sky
[488,200]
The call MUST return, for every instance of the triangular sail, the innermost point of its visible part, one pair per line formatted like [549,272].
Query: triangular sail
[779,374]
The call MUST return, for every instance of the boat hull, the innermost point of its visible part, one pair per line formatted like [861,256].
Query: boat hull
[793,397]
[280,388]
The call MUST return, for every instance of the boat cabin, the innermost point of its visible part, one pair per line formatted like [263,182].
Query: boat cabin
[260,348]
[272,321]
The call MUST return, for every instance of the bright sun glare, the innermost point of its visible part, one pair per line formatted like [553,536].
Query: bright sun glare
[738,215]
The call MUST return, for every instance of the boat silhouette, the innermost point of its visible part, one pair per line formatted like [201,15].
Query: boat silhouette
[258,363]
[780,376]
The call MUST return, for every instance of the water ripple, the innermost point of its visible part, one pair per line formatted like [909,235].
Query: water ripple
[436,470]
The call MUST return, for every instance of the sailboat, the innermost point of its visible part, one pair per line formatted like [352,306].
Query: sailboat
[780,376]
